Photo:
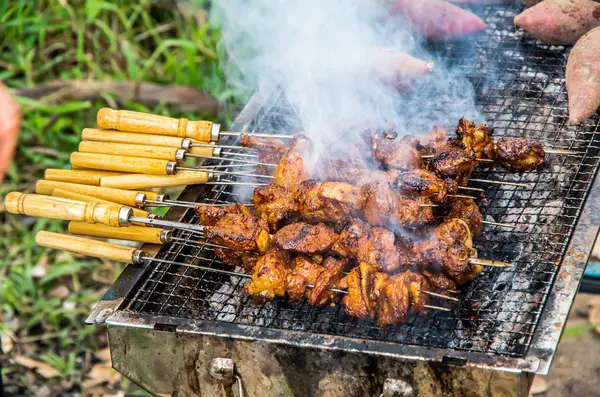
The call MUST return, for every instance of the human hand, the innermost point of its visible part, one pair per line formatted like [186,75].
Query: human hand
[10,122]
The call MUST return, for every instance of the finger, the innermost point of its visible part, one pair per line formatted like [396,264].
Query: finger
[10,121]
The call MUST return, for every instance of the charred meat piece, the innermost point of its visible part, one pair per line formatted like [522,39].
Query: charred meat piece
[416,285]
[396,154]
[210,214]
[433,142]
[454,231]
[267,157]
[468,211]
[452,260]
[438,282]
[320,294]
[379,204]
[411,213]
[520,154]
[341,170]
[406,255]
[346,245]
[228,257]
[304,272]
[274,204]
[249,260]
[291,169]
[263,144]
[377,248]
[425,184]
[269,275]
[365,286]
[476,140]
[240,232]
[394,302]
[334,202]
[453,163]
[304,238]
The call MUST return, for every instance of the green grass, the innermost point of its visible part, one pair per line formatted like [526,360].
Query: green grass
[42,41]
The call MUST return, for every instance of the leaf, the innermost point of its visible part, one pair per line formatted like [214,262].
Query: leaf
[99,374]
[41,368]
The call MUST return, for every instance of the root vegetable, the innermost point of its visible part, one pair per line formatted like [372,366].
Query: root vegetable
[438,19]
[583,77]
[560,22]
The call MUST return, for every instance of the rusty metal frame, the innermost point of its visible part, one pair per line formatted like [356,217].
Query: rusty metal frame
[537,360]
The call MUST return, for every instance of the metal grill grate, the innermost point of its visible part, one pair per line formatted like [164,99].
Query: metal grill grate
[499,311]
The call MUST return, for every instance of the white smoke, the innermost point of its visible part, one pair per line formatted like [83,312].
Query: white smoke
[326,56]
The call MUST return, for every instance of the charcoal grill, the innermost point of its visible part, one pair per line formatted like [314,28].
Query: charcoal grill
[167,323]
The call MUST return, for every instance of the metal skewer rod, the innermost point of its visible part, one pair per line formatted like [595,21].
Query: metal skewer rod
[485,262]
[565,152]
[208,145]
[239,154]
[507,225]
[225,172]
[473,189]
[499,182]
[229,159]
[260,135]
[461,196]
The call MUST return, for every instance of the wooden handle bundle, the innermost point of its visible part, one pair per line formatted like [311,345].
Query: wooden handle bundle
[85,246]
[124,149]
[59,208]
[89,199]
[126,120]
[125,197]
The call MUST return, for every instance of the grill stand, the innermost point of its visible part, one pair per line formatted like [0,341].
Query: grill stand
[172,364]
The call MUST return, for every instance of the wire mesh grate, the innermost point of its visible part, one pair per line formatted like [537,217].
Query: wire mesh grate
[499,311]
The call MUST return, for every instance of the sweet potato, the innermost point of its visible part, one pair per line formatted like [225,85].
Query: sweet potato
[583,77]
[560,21]
[438,19]
[398,68]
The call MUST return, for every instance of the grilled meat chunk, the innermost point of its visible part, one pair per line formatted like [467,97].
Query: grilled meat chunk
[377,249]
[451,259]
[320,294]
[263,144]
[210,214]
[433,142]
[425,184]
[269,275]
[406,255]
[438,282]
[291,169]
[228,256]
[240,232]
[274,204]
[416,285]
[347,170]
[365,286]
[411,213]
[520,154]
[453,163]
[395,301]
[399,154]
[304,272]
[304,238]
[379,204]
[476,140]
[346,245]
[334,202]
[454,231]
[468,211]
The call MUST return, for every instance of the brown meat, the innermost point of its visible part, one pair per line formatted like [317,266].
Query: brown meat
[291,169]
[453,163]
[346,245]
[263,144]
[228,256]
[210,214]
[274,204]
[240,232]
[377,248]
[438,282]
[379,204]
[334,202]
[405,247]
[399,154]
[468,211]
[320,294]
[476,140]
[269,276]
[364,285]
[304,272]
[454,231]
[520,154]
[417,284]
[434,141]
[425,184]
[304,238]
[394,302]
[414,212]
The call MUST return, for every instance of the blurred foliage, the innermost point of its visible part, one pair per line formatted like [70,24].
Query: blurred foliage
[46,40]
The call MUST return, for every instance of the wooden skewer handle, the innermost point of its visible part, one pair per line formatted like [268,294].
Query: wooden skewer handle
[83,177]
[85,246]
[125,197]
[126,120]
[59,208]
[98,135]
[89,199]
[152,235]
[142,181]
[135,165]
[124,149]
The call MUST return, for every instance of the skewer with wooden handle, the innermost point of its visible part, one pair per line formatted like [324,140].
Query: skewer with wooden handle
[101,249]
[140,165]
[83,177]
[144,181]
[151,235]
[147,151]
[89,199]
[126,197]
